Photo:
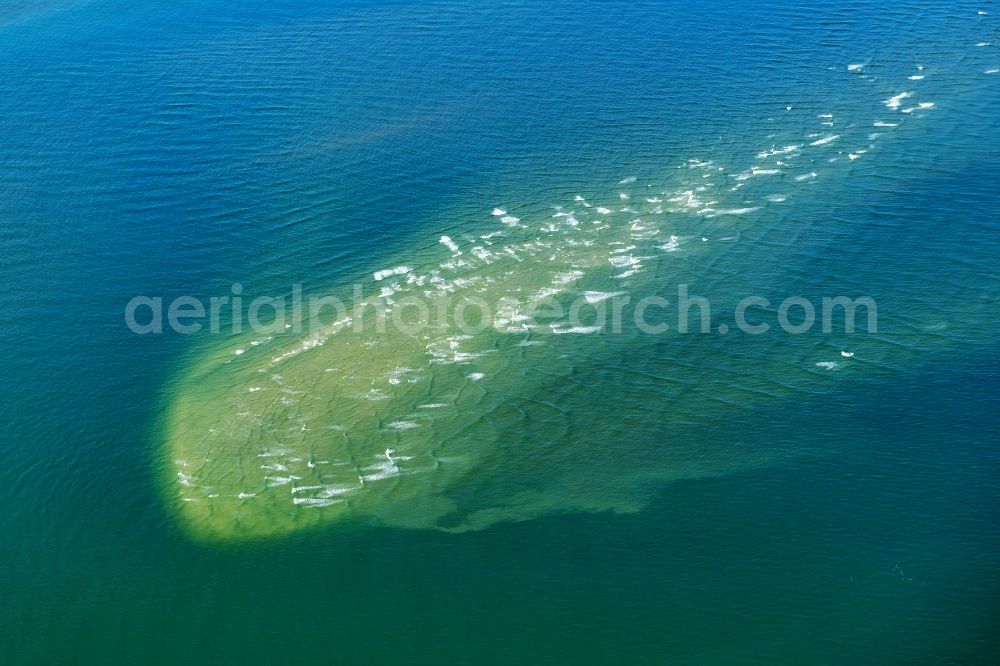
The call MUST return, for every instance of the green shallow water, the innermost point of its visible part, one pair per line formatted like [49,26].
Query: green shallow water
[543,495]
[457,422]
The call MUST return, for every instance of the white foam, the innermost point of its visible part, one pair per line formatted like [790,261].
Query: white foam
[509,220]
[383,470]
[627,181]
[480,252]
[623,196]
[333,491]
[315,501]
[746,175]
[603,211]
[825,140]
[778,151]
[879,123]
[806,176]
[560,279]
[497,212]
[855,68]
[776,198]
[403,425]
[983,44]
[389,272]
[273,481]
[894,101]
[827,365]
[450,244]
[847,354]
[672,245]
[918,107]
[581,330]
[991,71]
[621,261]
[687,198]
[475,376]
[915,77]
[598,296]
[733,211]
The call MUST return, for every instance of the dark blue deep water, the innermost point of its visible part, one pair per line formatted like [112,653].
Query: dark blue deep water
[732,501]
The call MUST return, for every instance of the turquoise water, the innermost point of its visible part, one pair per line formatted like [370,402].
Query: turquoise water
[685,498]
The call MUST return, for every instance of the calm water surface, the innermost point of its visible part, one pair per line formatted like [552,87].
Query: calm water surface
[678,498]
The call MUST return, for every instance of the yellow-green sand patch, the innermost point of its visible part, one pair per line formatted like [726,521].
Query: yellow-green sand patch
[460,423]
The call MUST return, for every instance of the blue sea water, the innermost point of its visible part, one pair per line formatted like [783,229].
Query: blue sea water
[176,149]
